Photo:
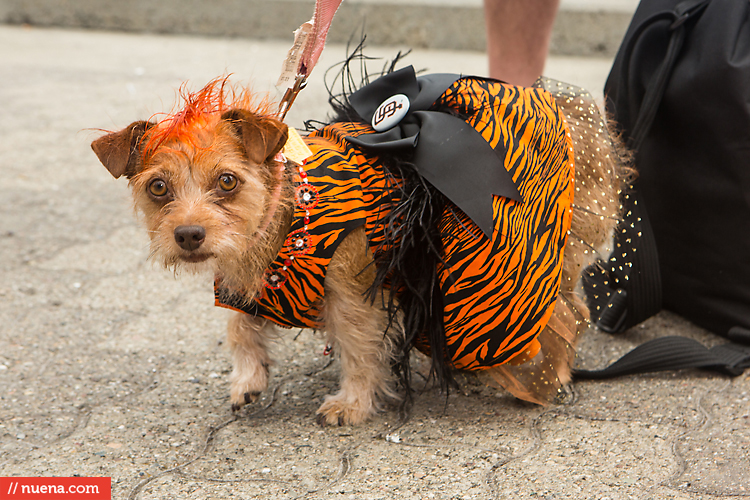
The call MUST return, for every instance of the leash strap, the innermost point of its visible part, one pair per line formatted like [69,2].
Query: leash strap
[309,41]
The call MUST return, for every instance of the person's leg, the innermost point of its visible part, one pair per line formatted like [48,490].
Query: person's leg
[518,37]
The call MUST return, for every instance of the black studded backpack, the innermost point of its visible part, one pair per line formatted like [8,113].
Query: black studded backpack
[679,91]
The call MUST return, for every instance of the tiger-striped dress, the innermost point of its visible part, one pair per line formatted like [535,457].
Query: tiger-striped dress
[502,290]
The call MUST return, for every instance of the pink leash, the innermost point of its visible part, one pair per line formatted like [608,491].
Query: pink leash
[309,41]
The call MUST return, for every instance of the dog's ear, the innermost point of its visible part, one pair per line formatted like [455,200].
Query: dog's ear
[261,137]
[120,151]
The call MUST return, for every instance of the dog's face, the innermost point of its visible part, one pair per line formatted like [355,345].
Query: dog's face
[204,187]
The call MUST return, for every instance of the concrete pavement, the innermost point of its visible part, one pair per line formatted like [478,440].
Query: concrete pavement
[112,367]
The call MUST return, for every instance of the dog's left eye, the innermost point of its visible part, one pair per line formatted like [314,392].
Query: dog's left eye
[158,188]
[227,182]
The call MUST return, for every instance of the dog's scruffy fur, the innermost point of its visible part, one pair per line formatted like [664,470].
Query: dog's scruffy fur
[215,198]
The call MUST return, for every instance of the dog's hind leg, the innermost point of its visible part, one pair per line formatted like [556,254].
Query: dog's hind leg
[247,337]
[355,328]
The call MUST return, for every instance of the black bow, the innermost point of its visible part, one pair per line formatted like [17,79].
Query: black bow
[448,152]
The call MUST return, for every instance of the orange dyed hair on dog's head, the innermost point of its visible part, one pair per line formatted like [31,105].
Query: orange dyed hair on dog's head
[199,110]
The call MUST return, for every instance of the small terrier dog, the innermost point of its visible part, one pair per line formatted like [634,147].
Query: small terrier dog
[218,194]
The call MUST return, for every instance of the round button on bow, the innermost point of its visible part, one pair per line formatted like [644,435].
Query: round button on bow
[390,112]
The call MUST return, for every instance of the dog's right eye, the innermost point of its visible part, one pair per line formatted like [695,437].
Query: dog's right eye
[227,182]
[158,188]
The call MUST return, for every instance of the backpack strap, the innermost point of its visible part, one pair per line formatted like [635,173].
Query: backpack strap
[675,353]
[683,12]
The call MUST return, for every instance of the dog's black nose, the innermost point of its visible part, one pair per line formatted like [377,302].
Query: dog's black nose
[189,237]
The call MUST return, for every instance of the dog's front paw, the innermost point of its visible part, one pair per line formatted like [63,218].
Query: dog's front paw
[342,409]
[247,384]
